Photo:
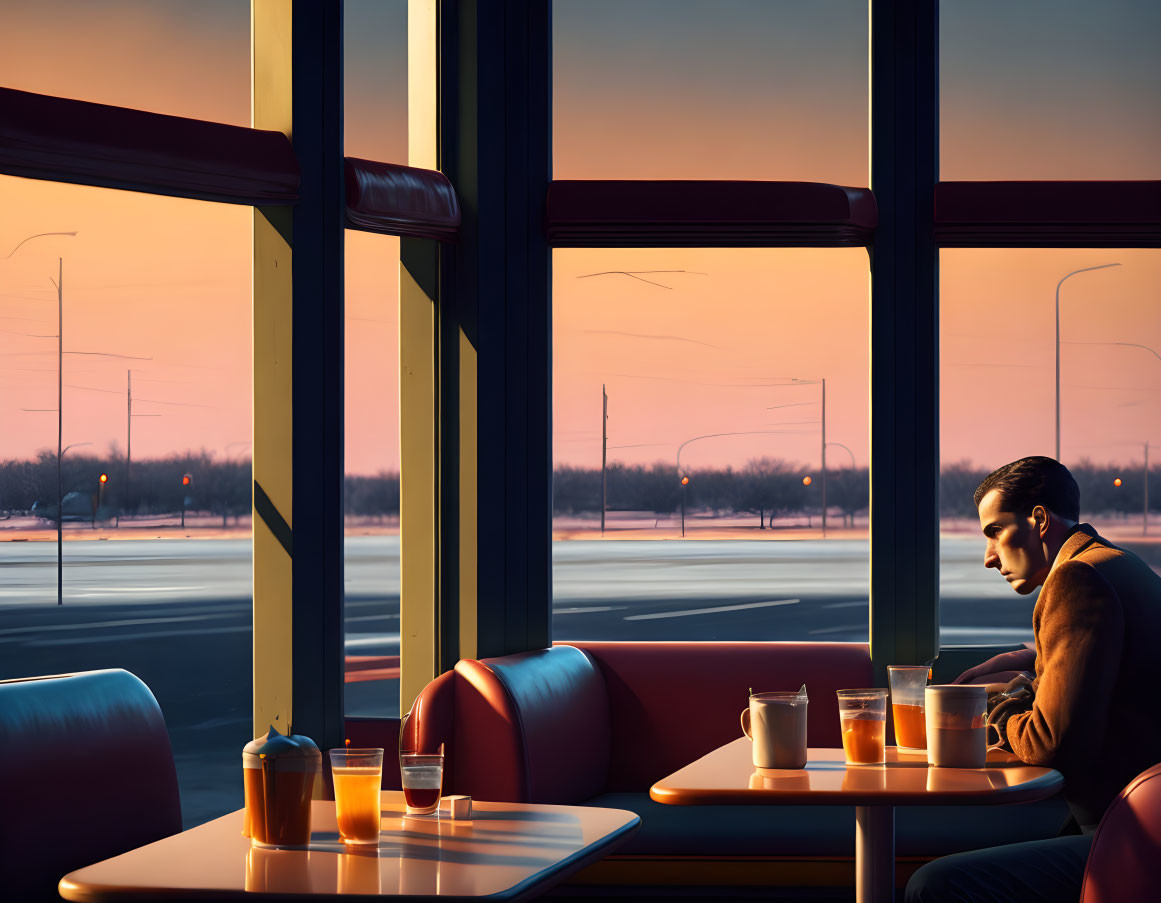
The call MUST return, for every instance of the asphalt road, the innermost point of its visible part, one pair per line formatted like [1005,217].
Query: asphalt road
[177,614]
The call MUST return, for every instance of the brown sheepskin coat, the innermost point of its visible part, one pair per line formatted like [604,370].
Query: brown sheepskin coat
[1096,716]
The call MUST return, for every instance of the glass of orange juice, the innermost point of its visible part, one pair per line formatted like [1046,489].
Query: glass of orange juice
[358,775]
[907,683]
[863,718]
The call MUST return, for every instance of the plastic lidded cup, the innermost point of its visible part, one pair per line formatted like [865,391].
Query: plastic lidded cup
[907,683]
[278,778]
[863,719]
[358,775]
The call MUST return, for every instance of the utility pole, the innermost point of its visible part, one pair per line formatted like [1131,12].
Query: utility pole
[59,430]
[823,457]
[604,452]
[1145,520]
[128,437]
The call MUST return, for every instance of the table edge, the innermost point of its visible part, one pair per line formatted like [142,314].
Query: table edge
[1040,787]
[530,887]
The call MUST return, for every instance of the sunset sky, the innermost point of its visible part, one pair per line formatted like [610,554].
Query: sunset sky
[766,89]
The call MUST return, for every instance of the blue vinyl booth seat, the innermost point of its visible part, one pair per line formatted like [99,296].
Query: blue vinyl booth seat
[86,772]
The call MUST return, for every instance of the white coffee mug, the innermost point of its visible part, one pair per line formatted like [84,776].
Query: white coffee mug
[776,723]
[956,725]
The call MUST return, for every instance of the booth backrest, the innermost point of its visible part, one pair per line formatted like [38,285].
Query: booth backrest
[86,772]
[531,727]
[561,725]
[1122,864]
[670,703]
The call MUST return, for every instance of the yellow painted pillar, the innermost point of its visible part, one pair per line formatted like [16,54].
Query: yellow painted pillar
[273,308]
[418,410]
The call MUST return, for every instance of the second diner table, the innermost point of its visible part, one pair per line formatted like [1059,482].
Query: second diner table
[727,776]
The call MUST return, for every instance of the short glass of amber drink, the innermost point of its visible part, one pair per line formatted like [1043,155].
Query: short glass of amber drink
[422,775]
[863,719]
[358,775]
[907,683]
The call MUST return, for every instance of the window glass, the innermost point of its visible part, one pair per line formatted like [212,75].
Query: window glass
[157,558]
[998,404]
[1049,89]
[712,362]
[692,89]
[375,79]
[183,57]
[372,476]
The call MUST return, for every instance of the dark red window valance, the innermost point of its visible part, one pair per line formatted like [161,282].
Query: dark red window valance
[401,200]
[1048,214]
[711,214]
[65,140]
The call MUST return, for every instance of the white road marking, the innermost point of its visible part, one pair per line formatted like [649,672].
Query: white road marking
[152,635]
[585,610]
[94,625]
[370,639]
[710,611]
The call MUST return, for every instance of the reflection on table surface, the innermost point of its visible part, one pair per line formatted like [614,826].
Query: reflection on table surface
[503,846]
[727,775]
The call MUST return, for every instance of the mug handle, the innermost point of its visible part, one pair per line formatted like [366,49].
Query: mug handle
[746,723]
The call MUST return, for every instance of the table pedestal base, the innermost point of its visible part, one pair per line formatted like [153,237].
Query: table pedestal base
[874,854]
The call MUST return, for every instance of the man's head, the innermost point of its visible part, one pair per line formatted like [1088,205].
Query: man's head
[1025,509]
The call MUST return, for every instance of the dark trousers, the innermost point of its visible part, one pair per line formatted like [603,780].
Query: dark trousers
[1040,871]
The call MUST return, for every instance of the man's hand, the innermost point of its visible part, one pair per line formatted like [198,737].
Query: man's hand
[1004,701]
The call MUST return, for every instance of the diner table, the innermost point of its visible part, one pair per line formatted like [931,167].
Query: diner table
[727,776]
[505,851]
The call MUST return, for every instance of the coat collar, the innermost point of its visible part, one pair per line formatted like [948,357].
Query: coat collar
[1081,537]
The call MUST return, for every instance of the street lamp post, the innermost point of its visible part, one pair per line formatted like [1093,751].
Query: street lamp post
[60,453]
[59,283]
[604,454]
[1103,266]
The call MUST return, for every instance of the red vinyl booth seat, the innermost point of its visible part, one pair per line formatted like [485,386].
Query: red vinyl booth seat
[598,723]
[86,772]
[1122,865]
[565,724]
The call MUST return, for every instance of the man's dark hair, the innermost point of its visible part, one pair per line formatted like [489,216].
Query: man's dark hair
[1033,481]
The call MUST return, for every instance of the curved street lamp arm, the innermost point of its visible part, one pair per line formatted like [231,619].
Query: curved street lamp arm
[854,466]
[1103,266]
[31,237]
[719,435]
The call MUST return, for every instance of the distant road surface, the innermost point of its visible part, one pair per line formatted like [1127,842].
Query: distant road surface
[176,612]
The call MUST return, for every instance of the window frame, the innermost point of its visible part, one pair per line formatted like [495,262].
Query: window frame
[482,69]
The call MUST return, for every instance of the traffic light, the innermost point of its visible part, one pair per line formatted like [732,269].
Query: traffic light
[806,481]
[685,481]
[185,480]
[104,478]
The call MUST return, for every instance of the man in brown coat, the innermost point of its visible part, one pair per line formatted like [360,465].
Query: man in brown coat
[1091,711]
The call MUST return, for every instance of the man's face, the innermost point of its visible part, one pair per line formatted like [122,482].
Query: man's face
[1014,546]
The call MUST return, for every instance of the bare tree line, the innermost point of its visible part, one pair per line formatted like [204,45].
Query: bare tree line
[765,488]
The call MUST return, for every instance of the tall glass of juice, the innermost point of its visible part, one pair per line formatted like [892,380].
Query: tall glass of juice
[863,719]
[907,683]
[358,775]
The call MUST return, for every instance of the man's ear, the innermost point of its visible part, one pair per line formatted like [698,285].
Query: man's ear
[1041,518]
